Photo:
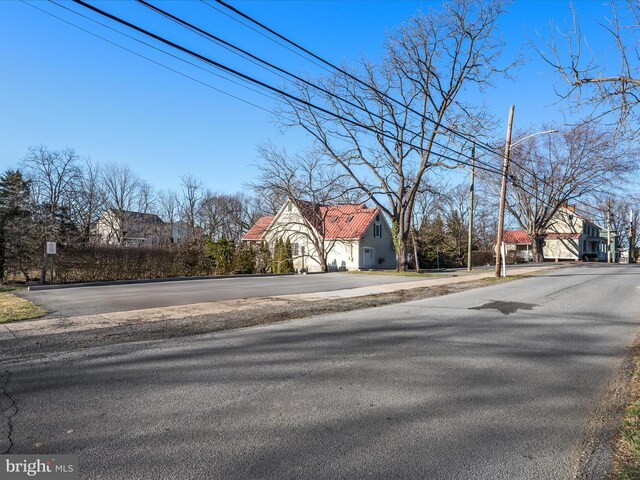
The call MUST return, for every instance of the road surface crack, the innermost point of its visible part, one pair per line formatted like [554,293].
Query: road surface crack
[9,409]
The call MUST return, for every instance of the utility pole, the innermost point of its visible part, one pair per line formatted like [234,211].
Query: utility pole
[632,235]
[473,173]
[609,231]
[503,193]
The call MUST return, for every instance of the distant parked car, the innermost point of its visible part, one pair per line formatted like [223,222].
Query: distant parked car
[590,257]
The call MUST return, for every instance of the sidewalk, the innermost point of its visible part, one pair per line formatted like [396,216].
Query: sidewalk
[58,325]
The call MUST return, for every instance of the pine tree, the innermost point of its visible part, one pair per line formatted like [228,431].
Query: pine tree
[276,261]
[288,258]
[263,258]
[222,253]
[14,219]
[244,259]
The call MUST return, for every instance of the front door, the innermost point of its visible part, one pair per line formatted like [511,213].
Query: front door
[367,258]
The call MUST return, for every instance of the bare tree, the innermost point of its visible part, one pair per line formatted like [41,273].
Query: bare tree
[87,200]
[53,175]
[121,189]
[608,83]
[146,198]
[549,172]
[168,209]
[227,215]
[387,146]
[192,193]
[620,210]
[312,183]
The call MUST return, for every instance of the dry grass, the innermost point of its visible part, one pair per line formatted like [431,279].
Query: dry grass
[627,448]
[508,278]
[396,274]
[14,308]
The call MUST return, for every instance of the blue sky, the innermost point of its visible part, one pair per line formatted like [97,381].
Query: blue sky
[62,87]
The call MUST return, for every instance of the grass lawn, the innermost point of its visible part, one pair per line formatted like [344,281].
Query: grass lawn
[627,448]
[14,308]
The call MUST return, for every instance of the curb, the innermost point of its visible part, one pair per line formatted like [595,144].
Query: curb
[34,288]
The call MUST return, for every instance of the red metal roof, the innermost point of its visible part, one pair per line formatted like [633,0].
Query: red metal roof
[516,237]
[520,237]
[346,221]
[333,222]
[257,230]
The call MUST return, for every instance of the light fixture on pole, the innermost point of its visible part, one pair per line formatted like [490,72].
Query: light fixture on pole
[503,191]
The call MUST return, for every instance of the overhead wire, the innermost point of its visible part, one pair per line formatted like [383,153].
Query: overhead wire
[258,60]
[148,58]
[486,167]
[261,83]
[162,51]
[351,76]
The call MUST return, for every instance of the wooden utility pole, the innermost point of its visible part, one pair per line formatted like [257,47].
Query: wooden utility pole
[609,231]
[470,236]
[632,236]
[503,192]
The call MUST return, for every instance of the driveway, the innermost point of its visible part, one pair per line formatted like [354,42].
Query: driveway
[116,298]
[493,383]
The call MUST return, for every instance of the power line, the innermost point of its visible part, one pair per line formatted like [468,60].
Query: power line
[344,72]
[353,77]
[295,52]
[236,73]
[253,80]
[165,52]
[254,59]
[151,60]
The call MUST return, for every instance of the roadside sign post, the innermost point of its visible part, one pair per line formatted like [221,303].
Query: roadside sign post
[51,252]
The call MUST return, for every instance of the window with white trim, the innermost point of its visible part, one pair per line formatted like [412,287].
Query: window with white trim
[377,230]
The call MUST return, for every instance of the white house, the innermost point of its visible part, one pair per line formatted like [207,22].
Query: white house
[342,237]
[126,228]
[569,237]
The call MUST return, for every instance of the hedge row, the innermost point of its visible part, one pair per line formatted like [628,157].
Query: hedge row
[104,263]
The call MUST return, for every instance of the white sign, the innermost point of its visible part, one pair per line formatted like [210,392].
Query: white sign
[51,248]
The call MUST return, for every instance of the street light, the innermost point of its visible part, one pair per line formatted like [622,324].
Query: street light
[520,140]
[503,191]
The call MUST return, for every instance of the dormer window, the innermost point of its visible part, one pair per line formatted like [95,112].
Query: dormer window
[334,219]
[349,218]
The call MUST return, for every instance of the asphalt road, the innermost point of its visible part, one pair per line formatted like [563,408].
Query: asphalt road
[493,383]
[117,298]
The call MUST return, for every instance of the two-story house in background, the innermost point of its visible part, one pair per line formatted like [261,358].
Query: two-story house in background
[570,236]
[135,229]
[335,237]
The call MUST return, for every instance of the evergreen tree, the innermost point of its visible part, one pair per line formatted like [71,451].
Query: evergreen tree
[288,258]
[14,219]
[279,254]
[263,258]
[222,253]
[244,259]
